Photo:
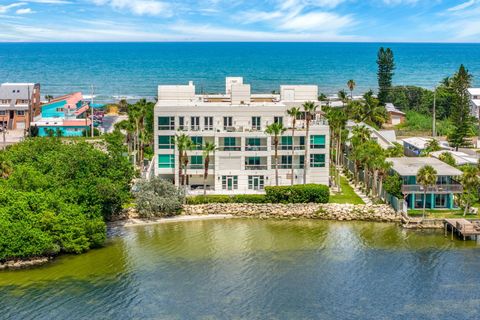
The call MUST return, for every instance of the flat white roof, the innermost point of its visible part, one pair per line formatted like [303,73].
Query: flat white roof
[474,91]
[421,142]
[407,166]
[461,158]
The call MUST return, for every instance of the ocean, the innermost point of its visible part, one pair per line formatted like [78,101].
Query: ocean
[134,70]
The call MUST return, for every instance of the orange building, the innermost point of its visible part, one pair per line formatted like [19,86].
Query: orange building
[19,103]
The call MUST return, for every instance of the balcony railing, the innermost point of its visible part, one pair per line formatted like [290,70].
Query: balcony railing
[438,188]
[230,148]
[194,128]
[166,127]
[256,167]
[289,147]
[288,166]
[200,166]
[256,148]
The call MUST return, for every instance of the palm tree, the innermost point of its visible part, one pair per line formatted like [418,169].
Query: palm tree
[181,141]
[342,95]
[293,112]
[337,119]
[470,182]
[432,146]
[207,149]
[189,145]
[447,158]
[48,97]
[351,85]
[395,151]
[276,129]
[426,177]
[360,135]
[309,108]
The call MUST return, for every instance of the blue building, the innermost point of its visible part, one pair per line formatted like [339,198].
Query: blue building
[65,116]
[439,196]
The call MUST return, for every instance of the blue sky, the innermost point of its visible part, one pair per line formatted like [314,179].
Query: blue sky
[241,20]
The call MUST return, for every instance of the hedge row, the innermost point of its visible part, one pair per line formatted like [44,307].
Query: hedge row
[220,198]
[302,193]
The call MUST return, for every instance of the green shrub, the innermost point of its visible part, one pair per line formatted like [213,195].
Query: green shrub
[158,197]
[249,198]
[211,198]
[301,193]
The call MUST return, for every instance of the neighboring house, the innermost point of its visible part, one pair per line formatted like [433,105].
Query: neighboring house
[415,146]
[439,196]
[385,138]
[395,116]
[461,158]
[65,114]
[474,94]
[19,103]
[236,121]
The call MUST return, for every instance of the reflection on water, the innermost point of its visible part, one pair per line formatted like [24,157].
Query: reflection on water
[254,269]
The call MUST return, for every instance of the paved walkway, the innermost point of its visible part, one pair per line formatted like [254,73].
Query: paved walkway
[359,192]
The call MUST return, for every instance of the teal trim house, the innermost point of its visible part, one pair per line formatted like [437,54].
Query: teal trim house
[439,196]
[65,116]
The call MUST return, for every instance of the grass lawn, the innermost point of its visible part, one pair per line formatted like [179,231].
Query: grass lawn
[347,195]
[441,214]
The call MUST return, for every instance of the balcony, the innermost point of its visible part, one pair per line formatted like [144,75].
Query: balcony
[194,128]
[256,148]
[438,189]
[289,147]
[200,166]
[256,167]
[229,148]
[288,166]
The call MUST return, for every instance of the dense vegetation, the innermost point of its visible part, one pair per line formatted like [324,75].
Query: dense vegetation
[55,196]
[157,197]
[300,193]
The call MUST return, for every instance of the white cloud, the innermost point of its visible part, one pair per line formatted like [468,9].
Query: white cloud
[138,7]
[48,1]
[24,11]
[463,5]
[317,21]
[6,8]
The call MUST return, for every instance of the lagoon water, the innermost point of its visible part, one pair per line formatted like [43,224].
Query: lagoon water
[254,269]
[135,69]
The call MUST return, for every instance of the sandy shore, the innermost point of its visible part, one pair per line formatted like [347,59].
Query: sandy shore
[145,221]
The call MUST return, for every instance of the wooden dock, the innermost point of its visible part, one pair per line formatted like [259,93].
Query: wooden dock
[463,227]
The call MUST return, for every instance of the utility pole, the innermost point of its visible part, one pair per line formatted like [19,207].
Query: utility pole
[91,111]
[434,132]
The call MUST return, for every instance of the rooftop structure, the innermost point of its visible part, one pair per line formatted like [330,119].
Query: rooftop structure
[385,138]
[235,121]
[395,116]
[64,115]
[414,146]
[474,101]
[461,158]
[438,196]
[19,103]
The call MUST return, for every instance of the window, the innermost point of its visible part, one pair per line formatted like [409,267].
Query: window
[285,162]
[59,109]
[195,123]
[256,182]
[208,123]
[166,142]
[252,161]
[301,162]
[20,113]
[181,123]
[227,123]
[317,142]
[198,143]
[196,162]
[286,143]
[230,144]
[229,182]
[3,112]
[441,200]
[252,144]
[278,120]
[166,123]
[166,161]
[5,101]
[256,123]
[317,160]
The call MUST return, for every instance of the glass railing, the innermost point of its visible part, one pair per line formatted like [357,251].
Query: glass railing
[230,148]
[256,148]
[288,166]
[256,167]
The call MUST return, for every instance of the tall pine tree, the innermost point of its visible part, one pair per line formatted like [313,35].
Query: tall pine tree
[460,111]
[386,65]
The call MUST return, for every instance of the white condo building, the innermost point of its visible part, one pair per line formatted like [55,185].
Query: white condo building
[474,94]
[235,121]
